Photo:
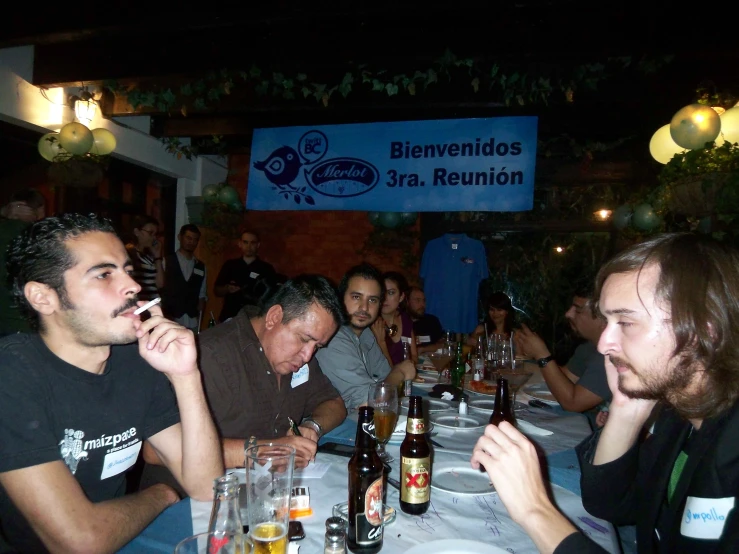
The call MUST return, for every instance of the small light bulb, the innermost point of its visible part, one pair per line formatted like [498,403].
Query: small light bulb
[559,249]
[603,214]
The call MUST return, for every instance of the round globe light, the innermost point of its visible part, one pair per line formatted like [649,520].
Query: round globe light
[76,139]
[49,147]
[228,195]
[103,142]
[730,125]
[662,147]
[390,220]
[210,192]
[695,125]
[645,217]
[622,216]
[374,218]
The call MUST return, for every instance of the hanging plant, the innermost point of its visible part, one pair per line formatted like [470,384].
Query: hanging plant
[702,181]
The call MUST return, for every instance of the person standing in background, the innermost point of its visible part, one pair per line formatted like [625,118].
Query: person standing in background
[427,327]
[184,291]
[242,280]
[146,255]
[25,207]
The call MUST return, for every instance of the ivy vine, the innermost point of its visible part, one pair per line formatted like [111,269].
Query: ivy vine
[509,85]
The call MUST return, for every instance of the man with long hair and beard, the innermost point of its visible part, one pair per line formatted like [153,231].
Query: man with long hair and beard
[80,397]
[671,340]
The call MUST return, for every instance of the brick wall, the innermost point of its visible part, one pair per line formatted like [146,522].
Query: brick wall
[325,242]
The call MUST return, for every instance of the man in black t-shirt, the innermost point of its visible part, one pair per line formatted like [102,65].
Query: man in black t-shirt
[426,327]
[242,281]
[80,397]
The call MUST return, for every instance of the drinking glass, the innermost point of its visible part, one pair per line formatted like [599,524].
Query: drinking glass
[269,482]
[214,543]
[517,377]
[384,399]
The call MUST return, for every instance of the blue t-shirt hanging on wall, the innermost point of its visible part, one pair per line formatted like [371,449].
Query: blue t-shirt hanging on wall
[452,268]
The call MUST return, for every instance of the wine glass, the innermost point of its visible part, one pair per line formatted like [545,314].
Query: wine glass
[516,376]
[440,361]
[383,397]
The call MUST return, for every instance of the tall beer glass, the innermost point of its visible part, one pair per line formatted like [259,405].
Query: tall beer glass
[269,482]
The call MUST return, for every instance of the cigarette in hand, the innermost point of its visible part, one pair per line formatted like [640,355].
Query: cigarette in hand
[146,306]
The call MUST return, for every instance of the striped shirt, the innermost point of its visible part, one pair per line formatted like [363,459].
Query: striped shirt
[145,274]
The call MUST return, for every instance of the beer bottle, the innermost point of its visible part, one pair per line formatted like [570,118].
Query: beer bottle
[502,410]
[458,369]
[365,489]
[415,462]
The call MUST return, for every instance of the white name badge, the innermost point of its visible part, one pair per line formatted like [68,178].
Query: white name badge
[704,518]
[406,339]
[300,377]
[455,246]
[254,275]
[121,460]
[423,339]
[198,272]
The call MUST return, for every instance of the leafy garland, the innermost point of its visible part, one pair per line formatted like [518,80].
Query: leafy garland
[503,84]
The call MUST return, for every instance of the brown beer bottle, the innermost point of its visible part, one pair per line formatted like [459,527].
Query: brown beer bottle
[415,462]
[502,410]
[365,489]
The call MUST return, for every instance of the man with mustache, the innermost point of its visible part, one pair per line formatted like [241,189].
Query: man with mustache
[80,397]
[357,356]
[671,340]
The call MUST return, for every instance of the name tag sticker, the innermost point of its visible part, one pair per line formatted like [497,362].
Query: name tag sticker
[406,339]
[300,377]
[423,339]
[704,518]
[254,275]
[198,272]
[121,460]
[455,246]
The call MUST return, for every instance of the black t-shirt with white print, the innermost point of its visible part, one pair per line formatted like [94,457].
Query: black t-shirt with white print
[95,424]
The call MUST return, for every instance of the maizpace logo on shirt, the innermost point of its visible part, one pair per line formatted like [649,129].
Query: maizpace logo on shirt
[74,448]
[335,177]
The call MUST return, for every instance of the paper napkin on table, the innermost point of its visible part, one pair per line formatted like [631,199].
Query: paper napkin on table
[314,470]
[293,548]
[401,424]
[530,429]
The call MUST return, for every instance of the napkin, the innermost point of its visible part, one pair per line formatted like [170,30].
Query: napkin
[530,429]
[293,548]
[401,424]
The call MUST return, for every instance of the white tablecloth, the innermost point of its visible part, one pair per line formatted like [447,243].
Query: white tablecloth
[482,518]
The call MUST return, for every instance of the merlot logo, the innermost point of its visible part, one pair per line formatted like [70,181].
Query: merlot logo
[342,177]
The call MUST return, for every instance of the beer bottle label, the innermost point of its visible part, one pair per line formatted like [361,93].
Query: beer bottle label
[416,481]
[415,426]
[369,522]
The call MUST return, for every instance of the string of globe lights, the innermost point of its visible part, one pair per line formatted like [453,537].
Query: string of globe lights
[693,127]
[76,139]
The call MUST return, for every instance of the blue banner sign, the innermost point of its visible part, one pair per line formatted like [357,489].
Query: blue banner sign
[408,166]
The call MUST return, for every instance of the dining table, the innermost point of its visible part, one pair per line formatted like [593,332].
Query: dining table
[464,506]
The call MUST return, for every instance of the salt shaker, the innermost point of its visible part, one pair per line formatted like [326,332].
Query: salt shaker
[462,406]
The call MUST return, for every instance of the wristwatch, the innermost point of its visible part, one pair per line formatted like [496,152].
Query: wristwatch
[542,362]
[313,424]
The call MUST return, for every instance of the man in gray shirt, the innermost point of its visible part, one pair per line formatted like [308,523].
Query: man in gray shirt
[581,384]
[357,356]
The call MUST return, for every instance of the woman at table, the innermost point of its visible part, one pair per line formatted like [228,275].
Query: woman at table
[397,323]
[499,319]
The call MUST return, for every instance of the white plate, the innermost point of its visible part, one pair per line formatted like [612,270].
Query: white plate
[456,421]
[455,546]
[485,405]
[430,405]
[460,478]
